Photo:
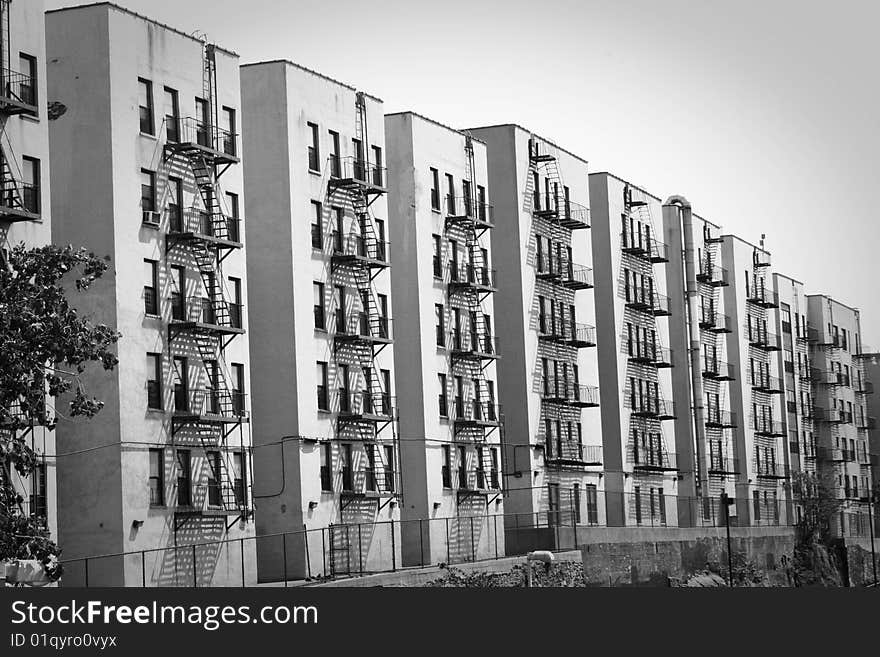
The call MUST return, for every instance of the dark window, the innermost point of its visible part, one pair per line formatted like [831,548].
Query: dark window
[184,478]
[378,179]
[239,473]
[30,187]
[592,504]
[323,402]
[335,162]
[389,468]
[178,293]
[446,471]
[175,205]
[228,134]
[314,153]
[154,381]
[145,105]
[326,464]
[440,324]
[236,307]
[638,501]
[214,483]
[345,466]
[450,194]
[438,264]
[203,120]
[38,505]
[181,384]
[148,191]
[443,401]
[320,321]
[238,405]
[157,477]
[151,287]
[317,226]
[172,116]
[27,90]
[233,220]
[435,189]
[462,468]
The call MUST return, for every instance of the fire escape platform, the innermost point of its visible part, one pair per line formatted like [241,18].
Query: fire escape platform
[195,149]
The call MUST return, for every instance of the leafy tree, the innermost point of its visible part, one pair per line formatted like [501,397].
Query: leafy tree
[814,560]
[45,347]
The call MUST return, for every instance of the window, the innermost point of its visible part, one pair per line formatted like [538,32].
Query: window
[184,478]
[344,392]
[438,264]
[446,471]
[317,226]
[323,403]
[154,381]
[326,464]
[38,505]
[228,117]
[27,89]
[592,497]
[345,464]
[435,189]
[377,167]
[785,311]
[335,161]
[462,468]
[178,293]
[443,400]
[151,287]
[145,105]
[236,307]
[213,463]
[233,220]
[172,116]
[175,205]
[203,120]
[389,468]
[440,324]
[157,477]
[638,501]
[314,153]
[239,474]
[148,192]
[320,321]
[450,194]
[238,406]
[181,394]
[31,184]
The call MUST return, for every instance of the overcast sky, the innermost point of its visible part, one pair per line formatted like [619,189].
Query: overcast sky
[763,113]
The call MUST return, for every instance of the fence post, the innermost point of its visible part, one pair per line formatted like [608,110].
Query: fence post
[308,558]
[448,558]
[421,543]
[241,548]
[495,528]
[473,545]
[87,572]
[284,554]
[143,570]
[360,550]
[195,581]
[393,549]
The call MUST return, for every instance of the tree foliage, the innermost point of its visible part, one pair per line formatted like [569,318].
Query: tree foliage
[45,345]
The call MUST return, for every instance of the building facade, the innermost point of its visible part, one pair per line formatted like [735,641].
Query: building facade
[549,369]
[447,348]
[842,422]
[325,413]
[635,359]
[25,213]
[146,166]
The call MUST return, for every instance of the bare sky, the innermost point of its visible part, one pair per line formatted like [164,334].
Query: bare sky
[763,113]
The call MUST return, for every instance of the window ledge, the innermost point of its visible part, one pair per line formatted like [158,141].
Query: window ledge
[149,136]
[315,172]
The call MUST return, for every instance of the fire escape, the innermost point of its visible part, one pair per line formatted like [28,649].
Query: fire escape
[640,343]
[359,253]
[472,345]
[19,199]
[767,459]
[206,323]
[560,336]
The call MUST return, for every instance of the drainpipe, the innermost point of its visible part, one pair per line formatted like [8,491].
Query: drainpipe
[683,207]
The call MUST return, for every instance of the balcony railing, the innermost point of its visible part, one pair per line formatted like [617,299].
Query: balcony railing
[562,272]
[716,369]
[771,470]
[561,452]
[564,331]
[558,390]
[465,209]
[358,172]
[721,464]
[761,296]
[714,321]
[765,383]
[864,387]
[359,249]
[645,300]
[225,405]
[648,353]
[477,479]
[832,415]
[764,340]
[196,136]
[720,419]
[643,246]
[866,423]
[215,314]
[651,407]
[865,351]
[560,210]
[201,224]
[18,92]
[364,327]
[713,275]
[828,377]
[464,275]
[19,201]
[656,459]
[473,346]
[767,428]
[476,412]
[365,404]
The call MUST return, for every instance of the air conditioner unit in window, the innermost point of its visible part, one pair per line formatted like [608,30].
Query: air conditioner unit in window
[150,218]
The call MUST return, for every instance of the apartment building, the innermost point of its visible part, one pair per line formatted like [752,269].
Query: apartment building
[635,359]
[325,414]
[146,169]
[842,423]
[25,213]
[755,462]
[546,328]
[446,348]
[797,383]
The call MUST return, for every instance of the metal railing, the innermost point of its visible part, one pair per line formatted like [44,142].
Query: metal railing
[720,419]
[17,87]
[194,131]
[359,171]
[563,391]
[714,368]
[210,401]
[468,343]
[468,207]
[359,247]
[714,321]
[476,411]
[636,243]
[465,274]
[765,383]
[199,222]
[365,403]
